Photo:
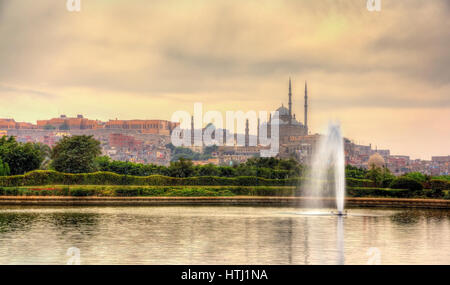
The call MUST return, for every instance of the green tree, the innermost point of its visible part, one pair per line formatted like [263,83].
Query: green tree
[387,177]
[4,168]
[182,168]
[76,154]
[355,172]
[416,176]
[102,163]
[208,170]
[20,157]
[376,175]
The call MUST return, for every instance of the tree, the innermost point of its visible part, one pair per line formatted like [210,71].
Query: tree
[76,154]
[355,172]
[387,177]
[420,177]
[208,170]
[20,157]
[376,175]
[102,163]
[182,168]
[4,168]
[406,183]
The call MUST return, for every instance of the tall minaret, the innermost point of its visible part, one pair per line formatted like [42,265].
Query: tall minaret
[306,107]
[247,133]
[257,135]
[290,102]
[192,131]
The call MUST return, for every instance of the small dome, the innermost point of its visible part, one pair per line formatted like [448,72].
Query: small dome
[376,160]
[282,111]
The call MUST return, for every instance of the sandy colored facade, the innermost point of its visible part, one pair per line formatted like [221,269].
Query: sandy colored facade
[7,124]
[72,123]
[159,127]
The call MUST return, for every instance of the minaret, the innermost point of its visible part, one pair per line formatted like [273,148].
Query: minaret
[306,107]
[247,133]
[224,137]
[269,129]
[257,138]
[192,131]
[290,102]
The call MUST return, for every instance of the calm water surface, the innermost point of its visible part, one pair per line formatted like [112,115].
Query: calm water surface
[222,235]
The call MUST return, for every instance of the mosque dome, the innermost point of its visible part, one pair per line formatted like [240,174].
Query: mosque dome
[283,111]
[376,160]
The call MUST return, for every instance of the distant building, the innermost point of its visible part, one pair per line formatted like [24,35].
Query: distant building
[7,124]
[66,123]
[160,127]
[441,159]
[288,126]
[12,124]
[124,141]
[214,161]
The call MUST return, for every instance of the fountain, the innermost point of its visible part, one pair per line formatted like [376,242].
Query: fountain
[327,171]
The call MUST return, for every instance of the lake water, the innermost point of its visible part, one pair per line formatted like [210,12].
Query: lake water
[222,235]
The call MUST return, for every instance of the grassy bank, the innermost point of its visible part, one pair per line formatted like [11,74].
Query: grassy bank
[49,177]
[197,191]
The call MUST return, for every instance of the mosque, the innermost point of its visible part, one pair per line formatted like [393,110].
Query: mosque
[289,127]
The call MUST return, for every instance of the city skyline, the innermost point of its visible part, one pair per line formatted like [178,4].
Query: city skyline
[384,77]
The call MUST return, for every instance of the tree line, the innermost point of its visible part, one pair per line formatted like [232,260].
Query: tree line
[82,154]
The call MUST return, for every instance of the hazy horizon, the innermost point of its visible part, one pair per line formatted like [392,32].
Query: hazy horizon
[384,75]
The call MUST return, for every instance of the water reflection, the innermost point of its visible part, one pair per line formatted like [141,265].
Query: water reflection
[406,217]
[340,240]
[221,235]
[10,222]
[74,220]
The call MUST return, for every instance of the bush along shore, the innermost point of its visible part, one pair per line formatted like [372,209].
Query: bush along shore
[199,191]
[49,177]
[106,184]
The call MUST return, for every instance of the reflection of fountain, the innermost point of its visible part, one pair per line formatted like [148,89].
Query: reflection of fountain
[328,168]
[340,241]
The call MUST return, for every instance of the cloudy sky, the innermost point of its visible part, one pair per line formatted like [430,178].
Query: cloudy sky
[385,75]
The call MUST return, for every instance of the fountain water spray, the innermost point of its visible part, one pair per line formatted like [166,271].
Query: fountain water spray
[328,164]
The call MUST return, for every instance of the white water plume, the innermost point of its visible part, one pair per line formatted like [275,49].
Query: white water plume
[326,176]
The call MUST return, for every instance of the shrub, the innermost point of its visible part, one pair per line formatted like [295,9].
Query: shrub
[379,192]
[387,181]
[49,177]
[447,195]
[126,192]
[438,186]
[406,183]
[353,182]
[9,191]
[419,177]
[81,192]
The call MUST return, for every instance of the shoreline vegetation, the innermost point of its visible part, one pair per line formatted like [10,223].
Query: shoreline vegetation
[74,167]
[107,184]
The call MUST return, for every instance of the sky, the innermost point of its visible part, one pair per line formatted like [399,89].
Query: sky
[384,75]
